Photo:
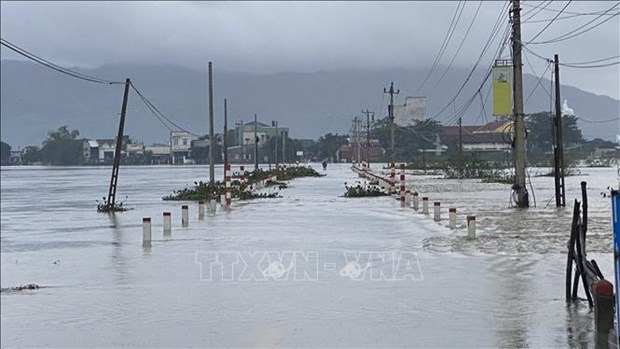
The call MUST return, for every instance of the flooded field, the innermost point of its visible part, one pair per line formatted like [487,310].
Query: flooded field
[367,272]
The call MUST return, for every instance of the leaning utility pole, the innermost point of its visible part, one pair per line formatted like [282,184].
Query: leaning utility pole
[558,149]
[225,136]
[519,136]
[117,151]
[391,118]
[255,143]
[211,163]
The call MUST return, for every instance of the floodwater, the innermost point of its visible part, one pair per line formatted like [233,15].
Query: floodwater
[101,288]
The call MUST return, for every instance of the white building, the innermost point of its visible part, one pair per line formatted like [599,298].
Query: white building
[413,110]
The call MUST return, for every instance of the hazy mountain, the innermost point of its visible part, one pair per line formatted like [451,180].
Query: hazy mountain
[35,100]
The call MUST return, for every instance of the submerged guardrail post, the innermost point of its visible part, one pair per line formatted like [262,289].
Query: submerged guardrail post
[416,202]
[146,232]
[408,198]
[452,218]
[212,206]
[437,211]
[242,174]
[201,210]
[471,227]
[228,179]
[184,216]
[603,294]
[425,205]
[167,224]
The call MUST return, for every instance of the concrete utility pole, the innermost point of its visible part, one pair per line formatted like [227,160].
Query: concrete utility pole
[255,143]
[558,151]
[519,136]
[368,113]
[275,123]
[460,147]
[117,151]
[211,164]
[225,137]
[284,147]
[391,117]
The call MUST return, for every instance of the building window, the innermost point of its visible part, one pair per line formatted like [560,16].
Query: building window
[184,141]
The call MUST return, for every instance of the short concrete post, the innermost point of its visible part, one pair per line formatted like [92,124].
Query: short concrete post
[242,174]
[184,216]
[392,178]
[402,184]
[408,198]
[223,199]
[416,201]
[201,210]
[228,179]
[437,211]
[425,205]
[603,295]
[167,224]
[452,217]
[146,232]
[212,206]
[471,227]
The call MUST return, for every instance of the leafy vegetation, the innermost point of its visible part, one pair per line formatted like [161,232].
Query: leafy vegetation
[109,208]
[363,190]
[5,153]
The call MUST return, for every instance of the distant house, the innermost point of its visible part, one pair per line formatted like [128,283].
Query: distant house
[91,152]
[180,144]
[413,110]
[160,153]
[367,152]
[492,137]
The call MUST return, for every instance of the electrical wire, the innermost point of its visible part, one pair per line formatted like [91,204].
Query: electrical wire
[457,15]
[572,33]
[571,16]
[539,78]
[548,24]
[458,49]
[159,115]
[56,67]
[600,121]
[567,12]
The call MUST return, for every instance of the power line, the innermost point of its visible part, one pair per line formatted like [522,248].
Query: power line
[562,11]
[577,65]
[572,16]
[159,115]
[568,35]
[444,44]
[600,121]
[56,67]
[458,49]
[548,24]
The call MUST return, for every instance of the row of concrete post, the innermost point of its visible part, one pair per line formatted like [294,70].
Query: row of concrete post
[409,199]
[167,217]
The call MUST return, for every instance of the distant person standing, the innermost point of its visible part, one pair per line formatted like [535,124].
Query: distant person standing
[324,165]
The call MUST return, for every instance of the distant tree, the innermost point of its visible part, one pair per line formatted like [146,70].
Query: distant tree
[62,147]
[32,155]
[5,153]
[329,144]
[408,141]
[540,137]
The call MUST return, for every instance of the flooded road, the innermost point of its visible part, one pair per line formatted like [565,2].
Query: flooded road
[367,272]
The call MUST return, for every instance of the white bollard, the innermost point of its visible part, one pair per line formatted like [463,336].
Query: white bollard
[471,227]
[408,198]
[223,199]
[425,205]
[416,201]
[437,211]
[452,217]
[201,210]
[184,216]
[212,206]
[167,224]
[146,232]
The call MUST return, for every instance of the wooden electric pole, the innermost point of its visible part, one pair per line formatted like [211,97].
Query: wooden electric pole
[558,151]
[391,118]
[368,113]
[519,130]
[211,163]
[117,152]
[276,143]
[225,136]
[255,143]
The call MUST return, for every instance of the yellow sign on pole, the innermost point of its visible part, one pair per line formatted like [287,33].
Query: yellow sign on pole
[502,90]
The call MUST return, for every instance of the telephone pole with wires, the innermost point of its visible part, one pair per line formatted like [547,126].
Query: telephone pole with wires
[558,149]
[391,118]
[522,198]
[211,143]
[461,147]
[117,152]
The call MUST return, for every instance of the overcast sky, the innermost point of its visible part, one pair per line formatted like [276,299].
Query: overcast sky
[265,37]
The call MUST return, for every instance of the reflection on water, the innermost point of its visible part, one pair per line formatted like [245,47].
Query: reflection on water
[503,289]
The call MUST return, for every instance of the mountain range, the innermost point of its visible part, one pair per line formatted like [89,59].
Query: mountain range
[36,100]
